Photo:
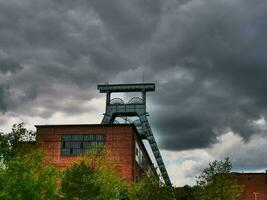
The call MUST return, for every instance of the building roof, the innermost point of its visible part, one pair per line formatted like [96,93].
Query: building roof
[249,173]
[92,125]
[55,125]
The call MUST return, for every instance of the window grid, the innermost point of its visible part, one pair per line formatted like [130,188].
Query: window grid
[74,145]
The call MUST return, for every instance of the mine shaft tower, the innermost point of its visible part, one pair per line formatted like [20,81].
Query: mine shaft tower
[136,107]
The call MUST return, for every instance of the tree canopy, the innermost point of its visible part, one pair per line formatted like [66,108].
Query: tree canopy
[150,187]
[215,182]
[185,193]
[86,182]
[14,142]
[24,174]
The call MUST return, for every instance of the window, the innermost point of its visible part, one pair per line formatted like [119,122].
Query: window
[74,145]
[139,157]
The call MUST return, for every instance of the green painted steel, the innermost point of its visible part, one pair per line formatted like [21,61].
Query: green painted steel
[137,108]
[139,87]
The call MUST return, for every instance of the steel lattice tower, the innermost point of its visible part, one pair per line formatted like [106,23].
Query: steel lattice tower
[135,107]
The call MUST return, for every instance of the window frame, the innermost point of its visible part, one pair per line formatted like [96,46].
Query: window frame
[74,144]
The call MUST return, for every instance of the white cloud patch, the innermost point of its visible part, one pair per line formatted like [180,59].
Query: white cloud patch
[184,166]
[90,113]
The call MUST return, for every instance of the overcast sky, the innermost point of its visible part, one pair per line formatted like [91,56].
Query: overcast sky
[207,58]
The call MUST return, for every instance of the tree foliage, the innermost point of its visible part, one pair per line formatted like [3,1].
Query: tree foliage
[150,187]
[27,177]
[23,172]
[185,193]
[93,178]
[15,141]
[215,182]
[79,182]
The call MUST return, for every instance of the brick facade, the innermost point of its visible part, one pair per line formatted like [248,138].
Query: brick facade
[255,185]
[121,140]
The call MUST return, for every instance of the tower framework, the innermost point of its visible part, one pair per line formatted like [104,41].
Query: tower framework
[136,107]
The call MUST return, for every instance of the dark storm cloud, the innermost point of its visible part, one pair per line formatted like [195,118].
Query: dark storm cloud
[208,59]
[221,45]
[3,94]
[130,22]
[50,43]
[7,65]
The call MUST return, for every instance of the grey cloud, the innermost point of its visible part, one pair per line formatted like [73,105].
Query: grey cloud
[206,57]
[3,98]
[9,65]
[221,44]
[130,22]
[53,43]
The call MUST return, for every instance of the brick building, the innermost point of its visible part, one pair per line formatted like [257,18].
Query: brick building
[63,143]
[255,185]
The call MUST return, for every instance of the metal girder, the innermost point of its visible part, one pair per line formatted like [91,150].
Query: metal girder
[134,109]
[144,130]
[139,87]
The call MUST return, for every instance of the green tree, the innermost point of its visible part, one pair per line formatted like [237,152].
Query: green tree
[92,178]
[150,187]
[28,177]
[24,174]
[79,182]
[185,193]
[14,142]
[215,182]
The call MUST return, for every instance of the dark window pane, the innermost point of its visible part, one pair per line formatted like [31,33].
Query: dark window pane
[65,152]
[66,137]
[76,145]
[89,137]
[67,145]
[77,138]
[82,144]
[76,152]
[100,137]
[86,144]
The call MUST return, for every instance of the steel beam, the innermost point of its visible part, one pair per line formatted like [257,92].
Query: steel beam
[138,110]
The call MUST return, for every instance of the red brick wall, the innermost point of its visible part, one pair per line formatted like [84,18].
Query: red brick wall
[255,185]
[120,143]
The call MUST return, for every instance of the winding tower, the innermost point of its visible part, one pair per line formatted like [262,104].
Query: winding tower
[136,107]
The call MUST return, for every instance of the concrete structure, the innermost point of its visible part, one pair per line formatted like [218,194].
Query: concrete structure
[255,185]
[63,143]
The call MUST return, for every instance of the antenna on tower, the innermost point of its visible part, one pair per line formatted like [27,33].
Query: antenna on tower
[143,77]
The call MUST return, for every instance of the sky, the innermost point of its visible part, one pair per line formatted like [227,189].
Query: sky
[206,57]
